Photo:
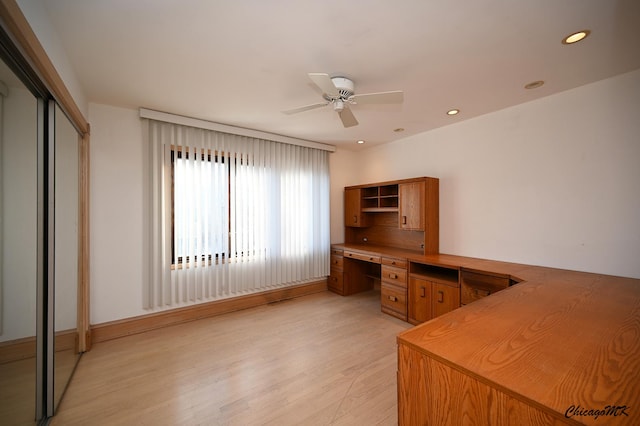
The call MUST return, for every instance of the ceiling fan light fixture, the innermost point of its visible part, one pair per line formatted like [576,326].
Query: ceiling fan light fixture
[338,105]
[576,37]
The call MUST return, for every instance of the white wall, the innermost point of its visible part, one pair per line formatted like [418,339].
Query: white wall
[117,225]
[38,17]
[344,172]
[552,182]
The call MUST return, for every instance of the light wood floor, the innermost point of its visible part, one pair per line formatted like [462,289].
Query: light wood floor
[317,360]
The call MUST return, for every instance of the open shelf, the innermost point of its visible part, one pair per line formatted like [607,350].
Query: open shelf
[434,272]
[380,199]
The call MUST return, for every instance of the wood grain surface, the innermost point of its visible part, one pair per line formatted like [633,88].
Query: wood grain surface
[558,340]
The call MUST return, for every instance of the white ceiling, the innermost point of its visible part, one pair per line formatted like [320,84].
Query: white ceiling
[242,62]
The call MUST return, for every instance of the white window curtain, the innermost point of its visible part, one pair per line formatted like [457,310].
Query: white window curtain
[232,215]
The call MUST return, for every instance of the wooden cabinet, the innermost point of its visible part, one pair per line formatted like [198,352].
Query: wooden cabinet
[393,287]
[353,215]
[412,206]
[433,291]
[401,214]
[476,285]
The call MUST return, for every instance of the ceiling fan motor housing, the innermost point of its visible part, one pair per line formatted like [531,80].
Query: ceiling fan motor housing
[344,86]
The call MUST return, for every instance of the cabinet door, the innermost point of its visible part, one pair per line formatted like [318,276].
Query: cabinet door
[419,300]
[412,205]
[446,298]
[352,208]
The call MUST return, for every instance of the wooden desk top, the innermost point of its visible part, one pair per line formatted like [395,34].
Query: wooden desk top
[558,339]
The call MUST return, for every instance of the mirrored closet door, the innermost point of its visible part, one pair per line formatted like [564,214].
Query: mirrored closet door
[40,246]
[18,249]
[66,213]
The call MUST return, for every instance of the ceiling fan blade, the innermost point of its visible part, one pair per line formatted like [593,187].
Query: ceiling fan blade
[347,117]
[323,81]
[305,108]
[395,97]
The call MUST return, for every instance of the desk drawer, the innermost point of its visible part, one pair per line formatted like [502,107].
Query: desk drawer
[393,275]
[336,261]
[361,256]
[393,300]
[337,252]
[336,281]
[395,262]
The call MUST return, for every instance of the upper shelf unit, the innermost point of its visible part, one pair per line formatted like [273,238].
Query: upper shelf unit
[401,213]
[380,199]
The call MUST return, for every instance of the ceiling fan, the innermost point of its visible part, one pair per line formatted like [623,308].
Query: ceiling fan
[339,93]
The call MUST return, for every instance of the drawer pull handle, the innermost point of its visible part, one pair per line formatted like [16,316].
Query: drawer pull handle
[423,291]
[393,298]
[393,262]
[355,219]
[371,258]
[404,220]
[440,296]
[393,276]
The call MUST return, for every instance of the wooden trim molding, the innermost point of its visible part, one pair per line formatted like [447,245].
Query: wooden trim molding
[84,332]
[140,324]
[14,350]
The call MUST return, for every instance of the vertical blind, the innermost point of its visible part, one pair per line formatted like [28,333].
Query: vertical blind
[232,214]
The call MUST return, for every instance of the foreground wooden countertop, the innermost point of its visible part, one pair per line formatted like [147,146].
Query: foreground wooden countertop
[558,339]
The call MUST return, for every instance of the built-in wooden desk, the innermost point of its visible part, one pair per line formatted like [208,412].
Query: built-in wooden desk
[561,347]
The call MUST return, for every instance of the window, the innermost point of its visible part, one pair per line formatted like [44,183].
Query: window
[200,224]
[233,215]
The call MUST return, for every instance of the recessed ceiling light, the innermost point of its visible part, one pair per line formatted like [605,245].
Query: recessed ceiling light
[576,37]
[398,130]
[453,111]
[534,84]
[360,141]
